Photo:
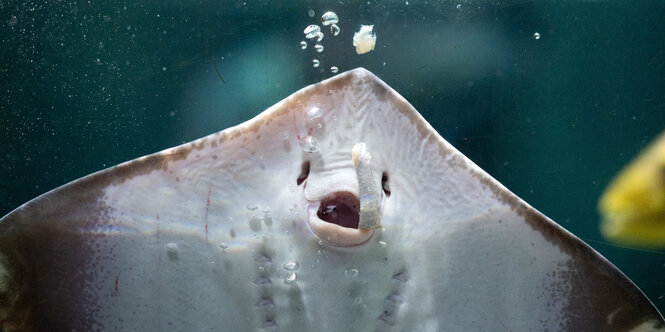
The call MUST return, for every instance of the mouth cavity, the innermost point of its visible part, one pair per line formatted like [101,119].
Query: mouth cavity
[341,208]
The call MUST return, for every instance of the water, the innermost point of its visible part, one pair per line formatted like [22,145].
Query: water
[551,118]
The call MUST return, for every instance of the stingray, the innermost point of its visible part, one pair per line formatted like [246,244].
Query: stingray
[337,209]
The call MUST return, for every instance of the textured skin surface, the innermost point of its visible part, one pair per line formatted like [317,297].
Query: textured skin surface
[197,237]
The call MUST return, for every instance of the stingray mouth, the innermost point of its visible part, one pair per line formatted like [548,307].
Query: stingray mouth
[334,219]
[341,209]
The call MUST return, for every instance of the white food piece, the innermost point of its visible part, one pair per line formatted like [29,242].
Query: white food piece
[365,39]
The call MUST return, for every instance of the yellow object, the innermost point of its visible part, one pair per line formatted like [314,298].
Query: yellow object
[633,204]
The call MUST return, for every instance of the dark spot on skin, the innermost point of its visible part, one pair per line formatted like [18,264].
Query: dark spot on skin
[304,173]
[384,184]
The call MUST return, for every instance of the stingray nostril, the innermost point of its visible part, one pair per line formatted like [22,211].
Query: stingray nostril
[304,172]
[384,183]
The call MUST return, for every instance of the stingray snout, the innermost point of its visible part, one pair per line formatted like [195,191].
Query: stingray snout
[343,218]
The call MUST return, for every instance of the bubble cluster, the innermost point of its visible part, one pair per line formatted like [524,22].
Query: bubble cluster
[536,36]
[313,31]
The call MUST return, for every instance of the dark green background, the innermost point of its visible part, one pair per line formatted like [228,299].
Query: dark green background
[84,86]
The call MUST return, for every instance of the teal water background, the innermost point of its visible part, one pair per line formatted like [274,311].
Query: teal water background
[85,86]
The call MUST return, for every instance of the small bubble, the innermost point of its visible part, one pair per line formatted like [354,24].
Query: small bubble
[172,251]
[163,68]
[351,272]
[536,36]
[290,279]
[315,63]
[358,300]
[303,45]
[261,268]
[252,206]
[319,36]
[291,266]
[313,115]
[318,48]
[285,135]
[310,13]
[334,69]
[458,6]
[312,31]
[223,245]
[329,18]
[334,29]
[309,144]
[382,244]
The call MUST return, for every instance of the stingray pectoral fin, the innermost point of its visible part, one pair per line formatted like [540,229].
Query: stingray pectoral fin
[370,193]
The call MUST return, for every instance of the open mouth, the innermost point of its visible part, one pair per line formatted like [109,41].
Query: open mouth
[335,219]
[342,208]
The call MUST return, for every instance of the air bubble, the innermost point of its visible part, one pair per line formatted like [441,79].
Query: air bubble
[309,144]
[319,36]
[351,272]
[318,48]
[313,115]
[290,279]
[291,266]
[536,36]
[252,206]
[172,251]
[303,45]
[312,31]
[358,300]
[310,13]
[329,18]
[334,69]
[223,245]
[315,63]
[334,29]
